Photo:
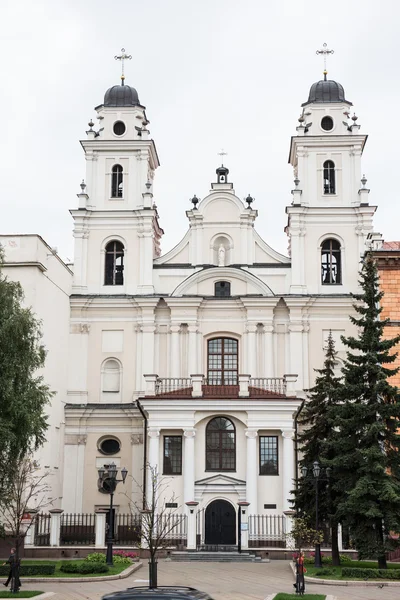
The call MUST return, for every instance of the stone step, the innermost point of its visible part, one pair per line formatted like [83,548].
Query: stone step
[213,557]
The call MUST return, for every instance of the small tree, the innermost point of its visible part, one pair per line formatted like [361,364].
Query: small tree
[304,535]
[158,521]
[29,489]
[366,423]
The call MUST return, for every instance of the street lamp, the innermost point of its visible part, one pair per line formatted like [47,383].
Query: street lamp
[108,475]
[316,471]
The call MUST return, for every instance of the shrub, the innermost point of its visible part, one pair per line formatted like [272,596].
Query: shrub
[371,573]
[96,557]
[324,571]
[131,555]
[30,570]
[121,560]
[345,559]
[83,567]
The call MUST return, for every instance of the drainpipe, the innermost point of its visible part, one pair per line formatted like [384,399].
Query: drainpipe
[296,449]
[140,407]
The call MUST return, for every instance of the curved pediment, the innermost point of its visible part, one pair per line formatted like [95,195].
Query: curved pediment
[243,283]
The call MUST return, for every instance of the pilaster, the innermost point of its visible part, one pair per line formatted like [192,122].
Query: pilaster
[251,470]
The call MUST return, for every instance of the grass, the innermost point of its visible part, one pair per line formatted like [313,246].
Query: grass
[296,597]
[114,570]
[336,572]
[30,594]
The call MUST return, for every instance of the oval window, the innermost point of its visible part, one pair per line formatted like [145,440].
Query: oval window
[327,123]
[119,128]
[109,446]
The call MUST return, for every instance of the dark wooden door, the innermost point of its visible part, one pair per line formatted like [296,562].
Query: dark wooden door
[220,523]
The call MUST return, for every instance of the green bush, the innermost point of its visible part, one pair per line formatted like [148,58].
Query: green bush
[345,559]
[97,557]
[30,570]
[121,560]
[83,567]
[327,560]
[371,573]
[324,571]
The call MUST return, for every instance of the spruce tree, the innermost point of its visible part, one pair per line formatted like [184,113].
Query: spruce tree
[312,439]
[23,393]
[365,441]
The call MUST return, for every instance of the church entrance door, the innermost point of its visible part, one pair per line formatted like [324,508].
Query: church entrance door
[220,523]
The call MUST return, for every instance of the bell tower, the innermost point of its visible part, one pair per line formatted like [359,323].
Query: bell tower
[330,217]
[116,224]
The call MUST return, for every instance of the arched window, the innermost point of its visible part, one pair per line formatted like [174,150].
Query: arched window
[116,181]
[220,445]
[329,177]
[222,289]
[114,264]
[222,361]
[111,376]
[331,267]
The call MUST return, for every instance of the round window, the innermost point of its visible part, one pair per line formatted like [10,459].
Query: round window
[109,446]
[119,128]
[327,123]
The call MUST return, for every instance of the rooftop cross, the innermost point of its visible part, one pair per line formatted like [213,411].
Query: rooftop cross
[222,153]
[123,56]
[325,51]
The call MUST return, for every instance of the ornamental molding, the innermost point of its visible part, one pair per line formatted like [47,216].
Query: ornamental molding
[251,434]
[189,433]
[288,434]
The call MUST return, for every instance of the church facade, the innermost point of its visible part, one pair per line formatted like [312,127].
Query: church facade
[194,362]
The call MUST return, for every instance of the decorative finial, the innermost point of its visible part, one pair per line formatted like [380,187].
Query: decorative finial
[364,181]
[194,201]
[354,118]
[83,186]
[123,56]
[91,124]
[325,51]
[148,184]
[249,201]
[296,182]
[222,153]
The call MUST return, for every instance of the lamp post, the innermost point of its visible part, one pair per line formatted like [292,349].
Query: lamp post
[316,471]
[108,475]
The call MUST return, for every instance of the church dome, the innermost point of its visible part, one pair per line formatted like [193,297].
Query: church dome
[121,95]
[326,90]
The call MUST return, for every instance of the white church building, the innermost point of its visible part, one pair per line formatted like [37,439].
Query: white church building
[195,361]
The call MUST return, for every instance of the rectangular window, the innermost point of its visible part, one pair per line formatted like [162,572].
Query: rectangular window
[172,455]
[269,455]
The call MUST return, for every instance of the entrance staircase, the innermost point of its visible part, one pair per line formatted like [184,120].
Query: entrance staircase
[215,554]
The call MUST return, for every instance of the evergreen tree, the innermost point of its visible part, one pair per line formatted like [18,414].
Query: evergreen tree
[365,441]
[23,394]
[312,440]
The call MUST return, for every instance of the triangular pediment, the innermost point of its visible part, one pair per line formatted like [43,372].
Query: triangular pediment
[220,480]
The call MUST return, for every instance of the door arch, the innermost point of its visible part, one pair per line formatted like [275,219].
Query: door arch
[220,523]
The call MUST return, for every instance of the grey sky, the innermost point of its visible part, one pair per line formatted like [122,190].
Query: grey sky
[212,74]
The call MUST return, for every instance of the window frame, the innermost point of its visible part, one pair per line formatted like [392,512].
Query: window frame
[115,254]
[262,437]
[225,283]
[117,182]
[330,168]
[106,370]
[220,468]
[165,472]
[330,252]
[212,380]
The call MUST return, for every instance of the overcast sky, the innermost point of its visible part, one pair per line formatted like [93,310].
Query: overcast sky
[212,74]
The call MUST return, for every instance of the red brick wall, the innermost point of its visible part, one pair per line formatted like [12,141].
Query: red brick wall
[389,273]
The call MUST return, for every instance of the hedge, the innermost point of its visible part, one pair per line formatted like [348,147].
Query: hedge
[371,573]
[83,567]
[29,570]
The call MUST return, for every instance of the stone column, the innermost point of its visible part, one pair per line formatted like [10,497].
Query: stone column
[340,537]
[153,460]
[192,349]
[251,366]
[268,370]
[80,468]
[100,525]
[55,526]
[30,529]
[251,470]
[175,357]
[188,465]
[191,525]
[243,506]
[288,467]
[148,348]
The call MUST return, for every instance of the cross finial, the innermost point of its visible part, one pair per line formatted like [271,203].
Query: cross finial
[222,153]
[123,56]
[325,51]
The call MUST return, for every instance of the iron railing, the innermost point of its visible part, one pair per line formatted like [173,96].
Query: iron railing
[42,529]
[77,530]
[267,530]
[180,386]
[259,385]
[171,528]
[127,529]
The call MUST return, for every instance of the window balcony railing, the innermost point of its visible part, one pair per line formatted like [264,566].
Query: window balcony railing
[198,386]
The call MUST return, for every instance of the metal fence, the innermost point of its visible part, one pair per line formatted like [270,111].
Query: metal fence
[77,530]
[179,386]
[267,530]
[172,528]
[127,529]
[259,385]
[42,529]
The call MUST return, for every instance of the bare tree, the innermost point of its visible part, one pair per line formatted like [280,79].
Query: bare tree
[158,521]
[28,490]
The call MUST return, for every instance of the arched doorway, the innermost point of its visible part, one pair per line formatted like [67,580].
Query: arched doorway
[220,523]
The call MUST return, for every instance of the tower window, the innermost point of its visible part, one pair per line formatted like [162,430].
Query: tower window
[119,128]
[222,289]
[329,177]
[327,123]
[114,264]
[111,376]
[222,361]
[331,268]
[220,445]
[116,181]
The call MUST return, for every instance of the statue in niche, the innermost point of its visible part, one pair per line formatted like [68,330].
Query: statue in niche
[221,256]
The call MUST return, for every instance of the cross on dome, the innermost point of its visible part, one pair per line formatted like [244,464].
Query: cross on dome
[122,57]
[325,52]
[222,153]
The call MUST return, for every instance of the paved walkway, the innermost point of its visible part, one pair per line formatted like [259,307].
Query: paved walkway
[223,581]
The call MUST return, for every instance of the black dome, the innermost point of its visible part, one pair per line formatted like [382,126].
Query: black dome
[326,90]
[121,95]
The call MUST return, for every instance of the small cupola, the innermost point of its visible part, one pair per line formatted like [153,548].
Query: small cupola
[222,174]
